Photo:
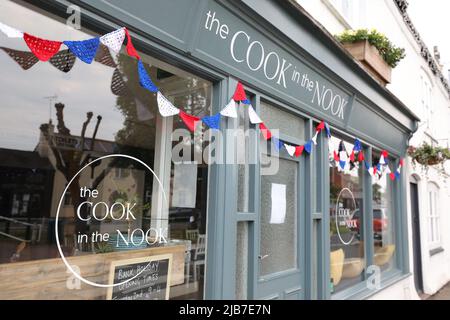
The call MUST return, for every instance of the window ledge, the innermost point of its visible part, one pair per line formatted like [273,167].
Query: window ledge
[435,251]
[392,278]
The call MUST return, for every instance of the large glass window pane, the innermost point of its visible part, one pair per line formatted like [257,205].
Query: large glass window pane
[383,220]
[55,122]
[347,257]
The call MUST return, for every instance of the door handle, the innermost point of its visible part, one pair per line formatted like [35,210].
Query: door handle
[260,257]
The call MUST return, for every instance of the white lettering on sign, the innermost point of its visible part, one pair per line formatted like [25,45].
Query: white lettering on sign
[251,52]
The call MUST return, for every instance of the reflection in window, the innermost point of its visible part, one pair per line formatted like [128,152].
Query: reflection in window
[92,111]
[383,220]
[347,257]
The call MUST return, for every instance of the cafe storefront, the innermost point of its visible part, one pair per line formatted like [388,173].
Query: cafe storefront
[85,152]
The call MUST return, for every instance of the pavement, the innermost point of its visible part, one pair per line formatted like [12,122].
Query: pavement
[443,294]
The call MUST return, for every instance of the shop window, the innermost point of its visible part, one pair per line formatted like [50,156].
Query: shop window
[43,144]
[384,219]
[434,233]
[347,255]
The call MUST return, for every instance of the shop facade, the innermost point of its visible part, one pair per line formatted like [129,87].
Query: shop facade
[295,75]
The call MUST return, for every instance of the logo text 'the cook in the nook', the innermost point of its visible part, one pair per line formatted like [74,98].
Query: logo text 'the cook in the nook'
[257,58]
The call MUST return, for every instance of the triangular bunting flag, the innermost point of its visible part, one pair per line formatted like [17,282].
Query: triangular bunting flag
[392,176]
[343,155]
[367,165]
[212,121]
[320,126]
[10,31]
[253,116]
[239,93]
[104,57]
[327,130]
[314,139]
[265,132]
[374,170]
[370,170]
[85,50]
[360,156]
[290,149]
[357,146]
[402,162]
[24,59]
[299,150]
[352,156]
[42,49]
[342,164]
[114,39]
[382,160]
[397,174]
[277,143]
[166,108]
[118,85]
[144,79]
[130,47]
[335,156]
[142,112]
[229,110]
[190,121]
[64,60]
[388,170]
[308,146]
[246,101]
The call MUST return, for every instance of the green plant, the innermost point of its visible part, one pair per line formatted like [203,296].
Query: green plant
[390,53]
[428,155]
[103,247]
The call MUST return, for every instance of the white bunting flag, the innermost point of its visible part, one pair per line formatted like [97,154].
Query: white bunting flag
[387,170]
[290,149]
[314,139]
[230,109]
[10,31]
[254,118]
[166,108]
[343,156]
[114,39]
[382,161]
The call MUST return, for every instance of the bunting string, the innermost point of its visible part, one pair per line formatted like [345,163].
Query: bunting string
[97,49]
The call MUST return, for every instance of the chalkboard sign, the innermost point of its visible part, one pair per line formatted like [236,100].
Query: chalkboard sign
[151,284]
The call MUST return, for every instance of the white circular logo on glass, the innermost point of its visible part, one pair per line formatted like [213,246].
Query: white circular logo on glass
[346,222]
[116,211]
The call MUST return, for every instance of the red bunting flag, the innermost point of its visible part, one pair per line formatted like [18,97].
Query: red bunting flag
[352,156]
[320,126]
[384,153]
[42,49]
[299,150]
[374,170]
[335,155]
[130,48]
[239,93]
[189,121]
[265,132]
[402,162]
[361,156]
[392,176]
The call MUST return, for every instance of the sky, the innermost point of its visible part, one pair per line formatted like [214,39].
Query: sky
[432,19]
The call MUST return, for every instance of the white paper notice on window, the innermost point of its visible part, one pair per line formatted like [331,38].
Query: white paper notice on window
[278,211]
[184,185]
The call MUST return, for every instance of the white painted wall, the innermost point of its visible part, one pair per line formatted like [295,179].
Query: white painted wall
[384,16]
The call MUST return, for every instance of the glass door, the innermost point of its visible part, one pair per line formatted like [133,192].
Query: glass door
[280,224]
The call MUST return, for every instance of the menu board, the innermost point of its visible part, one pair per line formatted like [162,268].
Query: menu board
[146,278]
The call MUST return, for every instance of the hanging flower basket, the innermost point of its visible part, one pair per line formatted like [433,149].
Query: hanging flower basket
[428,155]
